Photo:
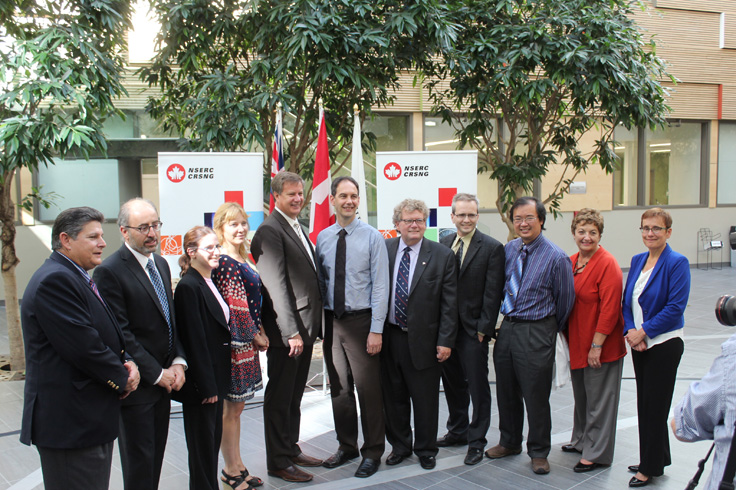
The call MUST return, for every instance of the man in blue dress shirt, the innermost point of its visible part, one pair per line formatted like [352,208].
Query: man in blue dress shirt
[538,296]
[355,296]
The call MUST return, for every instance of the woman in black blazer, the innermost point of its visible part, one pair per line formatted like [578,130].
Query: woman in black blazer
[202,323]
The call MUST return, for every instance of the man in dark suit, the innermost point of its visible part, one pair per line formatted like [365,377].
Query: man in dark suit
[292,318]
[480,265]
[419,335]
[77,368]
[136,284]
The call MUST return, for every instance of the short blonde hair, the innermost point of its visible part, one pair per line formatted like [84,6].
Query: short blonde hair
[226,212]
[410,205]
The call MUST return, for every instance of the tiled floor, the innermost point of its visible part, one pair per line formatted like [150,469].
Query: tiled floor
[20,470]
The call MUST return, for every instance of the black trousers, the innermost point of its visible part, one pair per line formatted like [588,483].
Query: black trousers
[349,366]
[287,377]
[465,379]
[405,388]
[524,355]
[144,429]
[203,431]
[88,468]
[656,372]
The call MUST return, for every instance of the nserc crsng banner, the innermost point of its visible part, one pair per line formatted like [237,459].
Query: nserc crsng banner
[193,185]
[432,176]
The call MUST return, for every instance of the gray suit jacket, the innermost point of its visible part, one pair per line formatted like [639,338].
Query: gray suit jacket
[480,283]
[432,315]
[292,301]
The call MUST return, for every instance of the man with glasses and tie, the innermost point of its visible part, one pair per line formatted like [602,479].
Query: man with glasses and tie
[538,297]
[136,284]
[419,334]
[480,268]
[356,300]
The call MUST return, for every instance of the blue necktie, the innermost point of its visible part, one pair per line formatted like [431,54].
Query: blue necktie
[158,286]
[514,283]
[401,292]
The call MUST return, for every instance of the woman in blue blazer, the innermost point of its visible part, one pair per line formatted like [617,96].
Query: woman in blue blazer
[655,296]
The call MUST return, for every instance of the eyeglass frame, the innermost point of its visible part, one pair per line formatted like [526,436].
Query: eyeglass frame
[526,219]
[410,222]
[156,225]
[654,229]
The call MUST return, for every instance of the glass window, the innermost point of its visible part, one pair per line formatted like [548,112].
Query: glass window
[625,176]
[727,163]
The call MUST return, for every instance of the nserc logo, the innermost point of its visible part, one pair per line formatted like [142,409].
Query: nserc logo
[392,171]
[175,173]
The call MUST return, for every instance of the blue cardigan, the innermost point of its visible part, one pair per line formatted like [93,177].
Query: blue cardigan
[664,298]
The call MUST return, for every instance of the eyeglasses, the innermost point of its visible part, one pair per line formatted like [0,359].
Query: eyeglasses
[156,226]
[654,229]
[528,219]
[468,216]
[211,249]
[410,222]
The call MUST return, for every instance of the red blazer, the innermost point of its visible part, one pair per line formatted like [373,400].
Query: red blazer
[597,309]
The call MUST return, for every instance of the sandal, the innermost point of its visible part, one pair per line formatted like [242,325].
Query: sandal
[254,480]
[233,482]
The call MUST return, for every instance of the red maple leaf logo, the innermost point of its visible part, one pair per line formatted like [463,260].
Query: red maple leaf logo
[175,173]
[392,171]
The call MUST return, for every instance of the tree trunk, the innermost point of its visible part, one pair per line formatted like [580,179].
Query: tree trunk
[9,263]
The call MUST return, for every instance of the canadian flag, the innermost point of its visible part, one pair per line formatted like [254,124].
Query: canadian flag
[322,215]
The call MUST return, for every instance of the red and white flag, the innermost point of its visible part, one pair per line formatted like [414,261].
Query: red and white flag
[277,155]
[358,172]
[322,215]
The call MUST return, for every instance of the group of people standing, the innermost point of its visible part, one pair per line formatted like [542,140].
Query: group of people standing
[396,316]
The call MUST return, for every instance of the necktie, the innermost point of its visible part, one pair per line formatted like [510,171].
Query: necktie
[401,291]
[94,289]
[158,286]
[339,292]
[514,282]
[300,234]
[459,255]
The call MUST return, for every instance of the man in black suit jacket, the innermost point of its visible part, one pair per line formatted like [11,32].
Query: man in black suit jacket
[480,261]
[136,284]
[77,368]
[419,335]
[292,319]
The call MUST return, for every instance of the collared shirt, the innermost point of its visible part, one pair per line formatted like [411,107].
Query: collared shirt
[366,270]
[413,258]
[298,230]
[466,243]
[547,285]
[708,410]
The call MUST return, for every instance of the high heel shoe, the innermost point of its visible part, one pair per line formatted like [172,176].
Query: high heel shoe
[254,480]
[230,482]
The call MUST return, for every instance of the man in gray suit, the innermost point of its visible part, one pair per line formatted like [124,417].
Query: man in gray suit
[419,334]
[480,265]
[292,319]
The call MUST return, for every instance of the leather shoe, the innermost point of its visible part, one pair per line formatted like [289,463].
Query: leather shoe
[499,451]
[304,460]
[394,459]
[292,474]
[569,448]
[474,456]
[634,468]
[540,466]
[450,440]
[582,467]
[427,462]
[367,467]
[635,482]
[338,459]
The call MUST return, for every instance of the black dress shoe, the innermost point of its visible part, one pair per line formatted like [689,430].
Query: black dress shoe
[367,467]
[582,467]
[474,456]
[634,468]
[451,440]
[569,448]
[338,459]
[635,482]
[394,459]
[427,462]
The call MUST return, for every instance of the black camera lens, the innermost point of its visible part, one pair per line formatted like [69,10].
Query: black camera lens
[726,310]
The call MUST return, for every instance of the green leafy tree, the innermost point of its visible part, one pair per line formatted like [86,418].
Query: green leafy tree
[547,72]
[222,68]
[61,71]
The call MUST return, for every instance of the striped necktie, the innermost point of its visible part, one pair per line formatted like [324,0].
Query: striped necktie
[401,291]
[514,283]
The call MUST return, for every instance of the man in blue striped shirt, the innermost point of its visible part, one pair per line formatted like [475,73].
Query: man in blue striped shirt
[538,296]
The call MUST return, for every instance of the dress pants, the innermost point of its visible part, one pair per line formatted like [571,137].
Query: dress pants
[203,432]
[87,468]
[524,356]
[287,377]
[597,393]
[405,388]
[656,372]
[465,379]
[144,428]
[349,366]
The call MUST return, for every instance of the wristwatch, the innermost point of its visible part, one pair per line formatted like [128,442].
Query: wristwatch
[596,346]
